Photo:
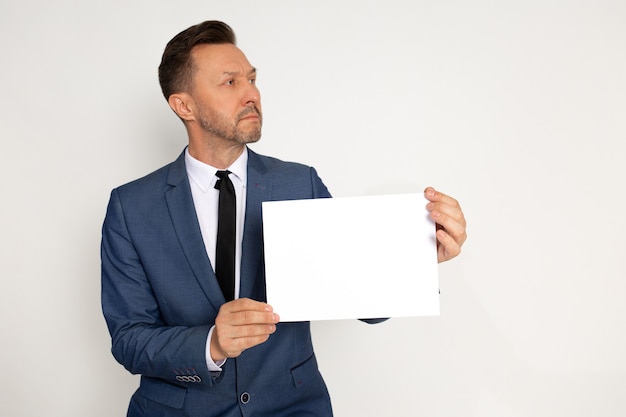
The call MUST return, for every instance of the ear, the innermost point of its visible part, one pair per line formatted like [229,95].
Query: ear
[182,104]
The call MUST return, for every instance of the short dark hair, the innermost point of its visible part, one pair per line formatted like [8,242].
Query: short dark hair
[176,69]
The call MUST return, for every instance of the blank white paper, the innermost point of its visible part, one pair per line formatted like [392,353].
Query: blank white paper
[349,258]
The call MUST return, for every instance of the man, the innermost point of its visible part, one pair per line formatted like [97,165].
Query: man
[199,352]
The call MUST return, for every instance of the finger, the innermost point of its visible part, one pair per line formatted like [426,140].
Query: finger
[448,248]
[446,213]
[254,331]
[239,333]
[437,196]
[433,195]
[453,227]
[248,311]
[246,318]
[238,345]
[226,345]
[228,329]
[246,304]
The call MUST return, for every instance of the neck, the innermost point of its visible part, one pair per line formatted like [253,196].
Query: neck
[215,152]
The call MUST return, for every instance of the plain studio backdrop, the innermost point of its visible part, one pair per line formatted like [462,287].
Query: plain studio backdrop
[517,108]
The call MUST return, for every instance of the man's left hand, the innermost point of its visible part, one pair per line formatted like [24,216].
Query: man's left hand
[447,214]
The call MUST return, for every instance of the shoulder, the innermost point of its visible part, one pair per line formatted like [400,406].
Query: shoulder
[145,198]
[269,164]
[155,182]
[288,180]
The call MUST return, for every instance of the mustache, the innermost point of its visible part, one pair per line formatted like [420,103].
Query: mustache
[247,111]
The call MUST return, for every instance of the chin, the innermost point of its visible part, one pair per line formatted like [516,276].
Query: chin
[253,140]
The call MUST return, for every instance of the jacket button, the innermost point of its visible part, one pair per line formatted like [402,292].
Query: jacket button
[245,397]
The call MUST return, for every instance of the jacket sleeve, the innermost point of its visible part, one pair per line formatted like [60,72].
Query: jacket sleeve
[319,188]
[141,341]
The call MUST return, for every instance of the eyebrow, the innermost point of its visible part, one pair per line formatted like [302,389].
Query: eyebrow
[235,73]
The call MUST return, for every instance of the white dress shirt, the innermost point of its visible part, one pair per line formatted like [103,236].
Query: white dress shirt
[202,181]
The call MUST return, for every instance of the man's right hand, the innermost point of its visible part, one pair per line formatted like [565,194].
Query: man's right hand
[240,325]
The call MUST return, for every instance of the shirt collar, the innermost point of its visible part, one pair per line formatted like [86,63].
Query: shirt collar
[204,175]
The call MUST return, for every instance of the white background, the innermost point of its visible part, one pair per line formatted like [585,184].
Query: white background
[518,109]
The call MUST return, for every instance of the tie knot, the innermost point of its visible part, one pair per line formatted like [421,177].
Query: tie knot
[221,175]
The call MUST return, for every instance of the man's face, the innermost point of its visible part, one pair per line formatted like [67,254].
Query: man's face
[224,90]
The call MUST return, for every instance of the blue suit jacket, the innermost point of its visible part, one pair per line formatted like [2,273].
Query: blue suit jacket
[160,297]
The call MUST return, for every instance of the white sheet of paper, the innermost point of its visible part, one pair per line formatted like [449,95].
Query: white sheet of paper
[348,258]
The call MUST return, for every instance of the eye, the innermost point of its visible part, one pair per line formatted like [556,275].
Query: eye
[229,82]
[252,80]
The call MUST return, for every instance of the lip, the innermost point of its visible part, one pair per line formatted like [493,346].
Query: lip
[250,117]
[250,113]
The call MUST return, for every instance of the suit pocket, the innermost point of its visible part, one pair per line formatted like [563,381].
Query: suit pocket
[305,372]
[162,392]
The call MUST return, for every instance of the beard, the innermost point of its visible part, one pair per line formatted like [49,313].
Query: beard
[218,125]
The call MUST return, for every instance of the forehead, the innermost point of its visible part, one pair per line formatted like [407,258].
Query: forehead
[219,59]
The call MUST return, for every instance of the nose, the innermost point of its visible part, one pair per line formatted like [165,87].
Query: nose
[252,96]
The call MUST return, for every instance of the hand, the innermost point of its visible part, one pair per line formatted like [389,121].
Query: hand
[240,325]
[447,214]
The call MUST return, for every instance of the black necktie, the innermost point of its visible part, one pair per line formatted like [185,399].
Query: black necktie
[226,227]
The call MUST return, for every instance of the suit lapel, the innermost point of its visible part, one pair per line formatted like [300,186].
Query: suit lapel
[252,267]
[185,221]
